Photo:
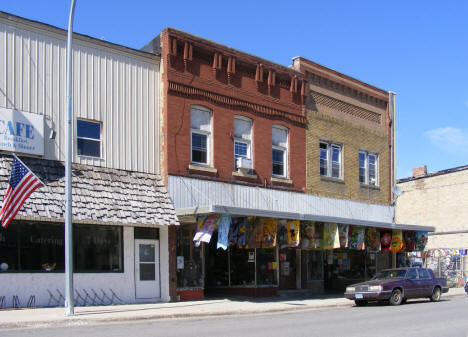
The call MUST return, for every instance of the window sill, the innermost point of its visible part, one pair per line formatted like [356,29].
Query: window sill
[371,187]
[333,180]
[281,180]
[244,175]
[209,169]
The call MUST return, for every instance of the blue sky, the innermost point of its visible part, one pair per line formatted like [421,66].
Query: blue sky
[417,49]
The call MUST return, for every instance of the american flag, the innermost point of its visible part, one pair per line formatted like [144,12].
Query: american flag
[22,183]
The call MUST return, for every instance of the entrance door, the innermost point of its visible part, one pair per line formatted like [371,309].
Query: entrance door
[287,268]
[147,285]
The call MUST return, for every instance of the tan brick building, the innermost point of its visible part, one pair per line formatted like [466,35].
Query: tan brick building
[350,117]
[439,199]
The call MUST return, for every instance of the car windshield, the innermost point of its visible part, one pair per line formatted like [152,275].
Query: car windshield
[390,274]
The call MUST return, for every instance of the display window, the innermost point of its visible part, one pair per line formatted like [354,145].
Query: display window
[242,266]
[266,266]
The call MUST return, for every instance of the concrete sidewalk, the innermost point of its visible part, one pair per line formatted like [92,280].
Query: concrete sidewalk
[53,317]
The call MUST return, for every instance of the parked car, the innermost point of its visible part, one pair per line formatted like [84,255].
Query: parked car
[398,285]
[466,287]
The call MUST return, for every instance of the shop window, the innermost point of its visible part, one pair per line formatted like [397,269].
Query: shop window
[242,138]
[242,263]
[88,136]
[330,160]
[349,264]
[266,266]
[314,265]
[97,248]
[367,168]
[41,247]
[189,259]
[217,264]
[279,151]
[200,124]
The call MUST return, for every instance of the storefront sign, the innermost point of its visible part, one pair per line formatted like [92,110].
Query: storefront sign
[251,256]
[21,132]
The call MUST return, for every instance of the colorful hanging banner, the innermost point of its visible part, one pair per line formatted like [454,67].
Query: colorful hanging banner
[385,239]
[282,234]
[409,240]
[343,232]
[397,241]
[238,232]
[331,239]
[204,233]
[269,229]
[357,237]
[293,227]
[311,235]
[373,240]
[421,241]
[223,231]
[254,233]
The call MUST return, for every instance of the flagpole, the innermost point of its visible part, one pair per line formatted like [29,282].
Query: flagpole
[69,301]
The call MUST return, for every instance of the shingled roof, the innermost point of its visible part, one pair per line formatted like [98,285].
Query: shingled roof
[100,195]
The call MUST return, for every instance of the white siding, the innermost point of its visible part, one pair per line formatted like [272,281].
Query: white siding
[188,193]
[110,85]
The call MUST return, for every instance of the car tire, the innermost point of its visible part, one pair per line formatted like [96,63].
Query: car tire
[403,301]
[436,293]
[397,297]
[360,303]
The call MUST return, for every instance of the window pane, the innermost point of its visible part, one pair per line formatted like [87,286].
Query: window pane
[189,273]
[146,253]
[42,247]
[88,129]
[336,170]
[9,248]
[336,153]
[266,266]
[362,175]
[242,268]
[336,161]
[278,162]
[323,159]
[242,128]
[372,170]
[279,137]
[314,265]
[323,167]
[91,148]
[200,119]
[199,152]
[147,272]
[97,248]
[240,149]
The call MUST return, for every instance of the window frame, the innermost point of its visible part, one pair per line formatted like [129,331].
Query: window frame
[366,168]
[329,160]
[90,139]
[207,134]
[285,153]
[247,142]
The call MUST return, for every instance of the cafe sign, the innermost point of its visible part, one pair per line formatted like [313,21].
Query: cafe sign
[21,132]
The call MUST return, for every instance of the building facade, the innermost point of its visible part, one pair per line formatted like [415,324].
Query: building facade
[439,199]
[121,210]
[241,143]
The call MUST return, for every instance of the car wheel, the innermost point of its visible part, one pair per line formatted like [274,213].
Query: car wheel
[403,301]
[360,303]
[435,295]
[396,298]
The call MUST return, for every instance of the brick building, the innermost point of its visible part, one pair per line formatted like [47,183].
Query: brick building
[241,139]
[439,199]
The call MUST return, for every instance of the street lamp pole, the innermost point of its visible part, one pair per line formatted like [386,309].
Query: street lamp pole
[69,301]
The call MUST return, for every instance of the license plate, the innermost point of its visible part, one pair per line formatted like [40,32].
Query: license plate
[359,296]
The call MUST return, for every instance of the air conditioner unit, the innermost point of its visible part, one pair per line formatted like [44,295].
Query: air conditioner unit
[244,164]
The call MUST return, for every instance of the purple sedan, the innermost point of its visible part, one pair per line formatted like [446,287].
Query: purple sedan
[398,285]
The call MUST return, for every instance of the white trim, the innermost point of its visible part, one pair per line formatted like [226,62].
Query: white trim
[101,127]
[329,161]
[366,168]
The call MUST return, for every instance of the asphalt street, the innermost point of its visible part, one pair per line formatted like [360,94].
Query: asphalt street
[448,317]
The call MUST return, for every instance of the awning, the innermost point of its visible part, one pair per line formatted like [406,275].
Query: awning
[220,209]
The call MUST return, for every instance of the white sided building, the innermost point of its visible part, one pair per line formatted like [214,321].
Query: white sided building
[122,214]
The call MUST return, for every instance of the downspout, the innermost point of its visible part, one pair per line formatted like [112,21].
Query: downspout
[392,114]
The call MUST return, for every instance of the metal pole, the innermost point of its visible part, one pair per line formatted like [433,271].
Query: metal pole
[69,301]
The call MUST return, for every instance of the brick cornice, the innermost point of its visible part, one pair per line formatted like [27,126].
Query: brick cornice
[235,103]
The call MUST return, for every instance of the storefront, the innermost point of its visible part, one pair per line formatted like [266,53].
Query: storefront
[271,255]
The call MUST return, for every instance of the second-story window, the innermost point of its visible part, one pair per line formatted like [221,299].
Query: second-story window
[367,168]
[242,138]
[200,125]
[279,138]
[330,160]
[88,136]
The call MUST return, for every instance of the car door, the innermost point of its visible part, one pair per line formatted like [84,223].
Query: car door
[411,283]
[426,283]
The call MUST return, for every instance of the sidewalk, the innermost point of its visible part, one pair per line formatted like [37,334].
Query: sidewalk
[53,317]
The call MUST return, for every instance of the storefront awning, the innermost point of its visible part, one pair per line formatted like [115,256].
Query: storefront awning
[194,197]
[219,209]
